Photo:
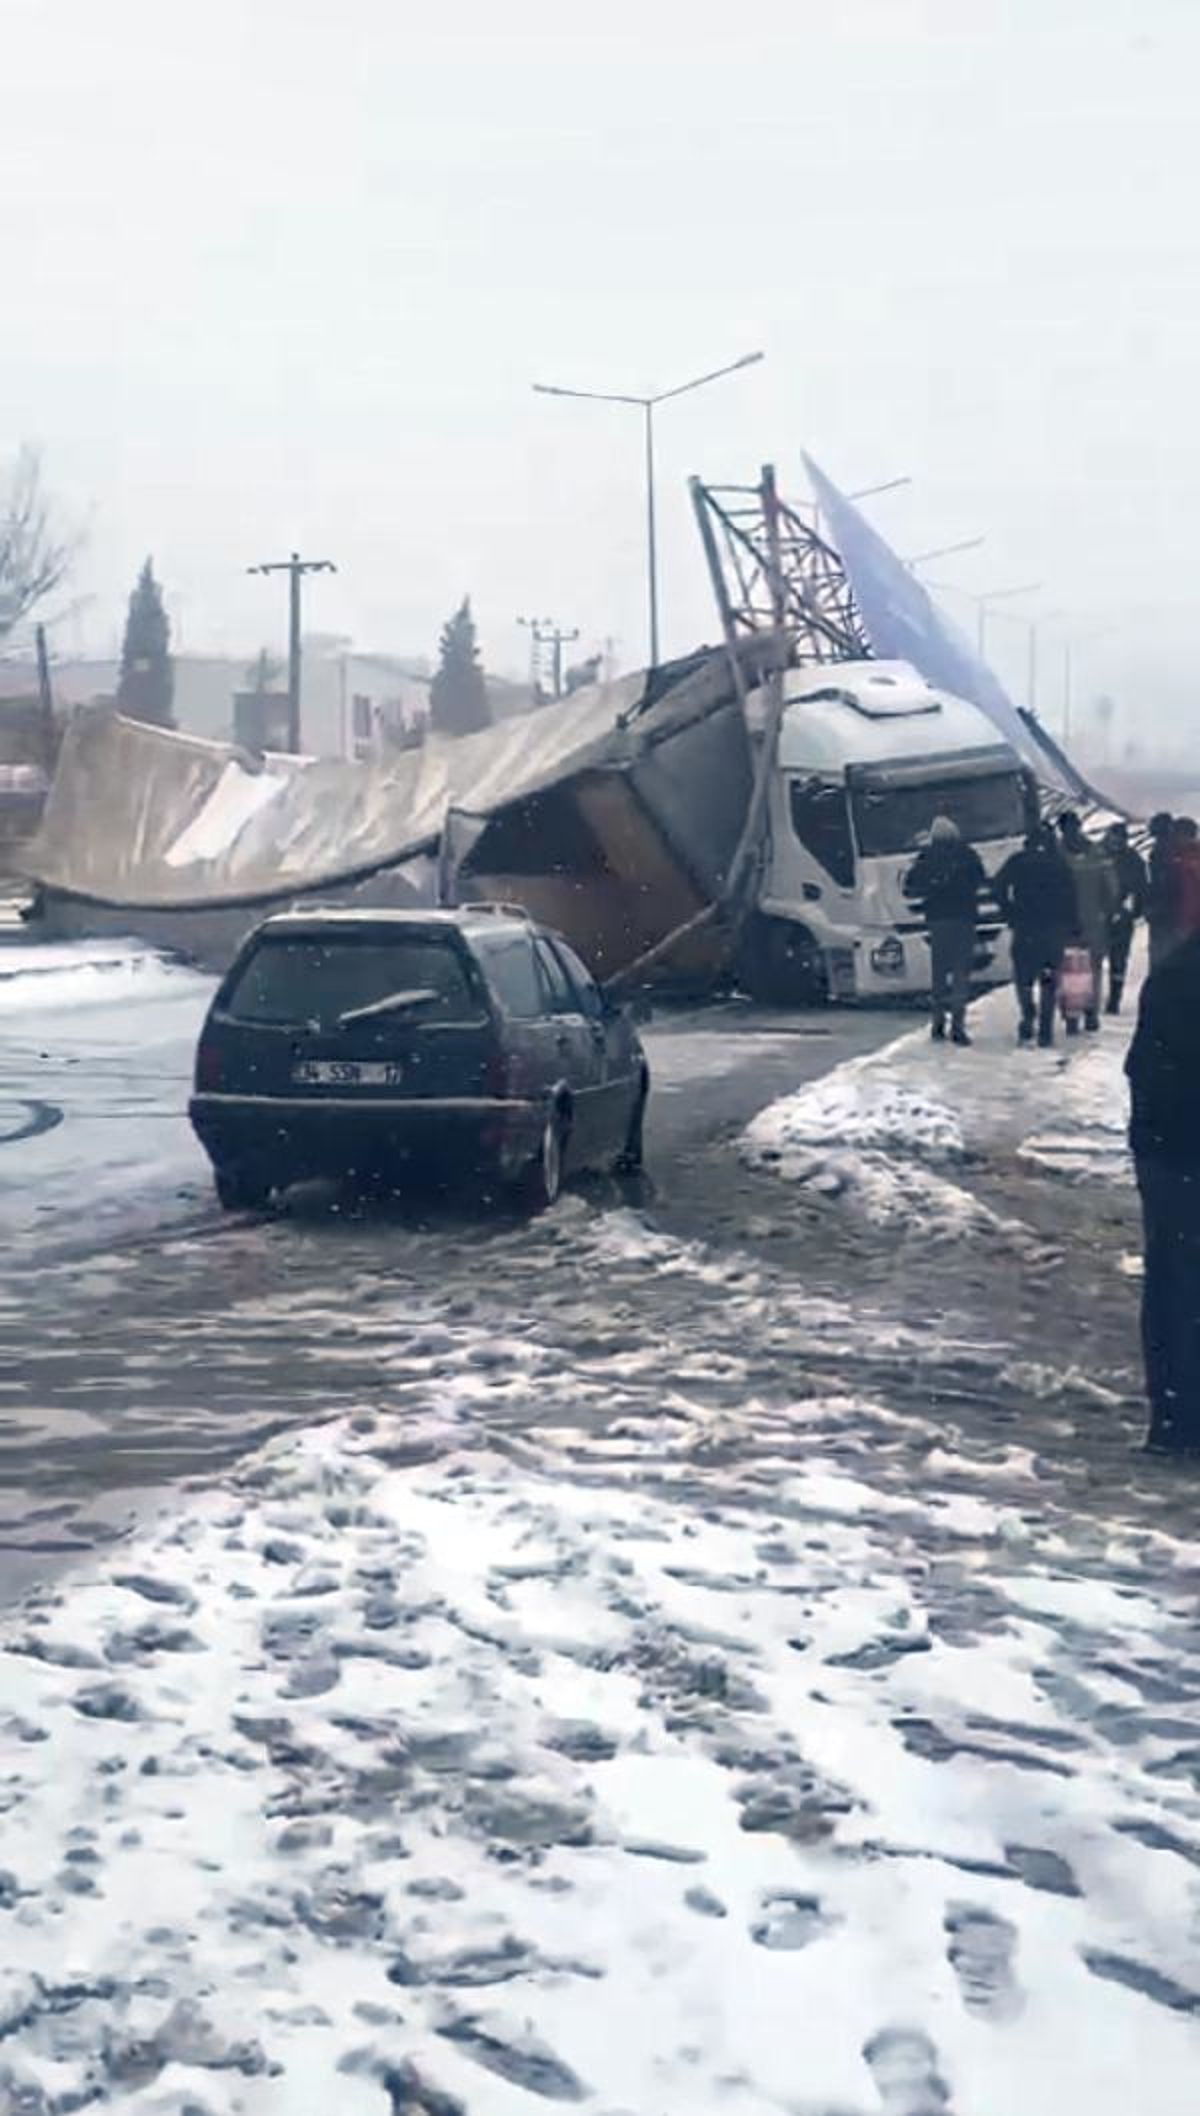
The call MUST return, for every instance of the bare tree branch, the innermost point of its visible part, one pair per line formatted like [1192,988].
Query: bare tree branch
[34,557]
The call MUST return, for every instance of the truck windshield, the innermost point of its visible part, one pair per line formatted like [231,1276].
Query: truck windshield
[892,819]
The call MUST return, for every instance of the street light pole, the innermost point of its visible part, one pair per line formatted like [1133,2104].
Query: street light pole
[991,595]
[651,538]
[647,404]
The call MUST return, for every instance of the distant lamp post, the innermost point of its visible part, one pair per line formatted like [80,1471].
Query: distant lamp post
[870,492]
[926,558]
[647,406]
[984,602]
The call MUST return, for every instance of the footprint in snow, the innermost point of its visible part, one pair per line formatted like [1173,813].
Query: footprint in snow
[980,1950]
[1139,1976]
[904,2067]
[513,2054]
[789,1921]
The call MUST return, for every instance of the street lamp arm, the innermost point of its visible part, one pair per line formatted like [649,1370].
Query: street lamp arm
[715,374]
[968,543]
[594,396]
[1028,587]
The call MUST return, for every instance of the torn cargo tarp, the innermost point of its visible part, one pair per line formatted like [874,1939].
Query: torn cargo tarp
[629,795]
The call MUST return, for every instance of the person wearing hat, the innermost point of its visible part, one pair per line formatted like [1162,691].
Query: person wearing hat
[944,881]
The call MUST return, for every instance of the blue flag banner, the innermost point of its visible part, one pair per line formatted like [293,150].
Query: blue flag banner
[903,623]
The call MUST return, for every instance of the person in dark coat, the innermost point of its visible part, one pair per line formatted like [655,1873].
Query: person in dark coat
[1184,864]
[1160,924]
[1037,901]
[945,880]
[1132,882]
[1163,1066]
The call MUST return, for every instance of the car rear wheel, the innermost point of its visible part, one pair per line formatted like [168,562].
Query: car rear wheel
[631,1159]
[543,1182]
[238,1191]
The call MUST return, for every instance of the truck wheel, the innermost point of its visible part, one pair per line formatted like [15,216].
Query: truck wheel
[239,1192]
[781,965]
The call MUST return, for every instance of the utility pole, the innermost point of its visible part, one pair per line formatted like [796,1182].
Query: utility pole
[45,699]
[295,567]
[545,633]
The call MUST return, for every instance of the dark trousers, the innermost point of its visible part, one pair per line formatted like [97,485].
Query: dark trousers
[1120,941]
[1163,939]
[1036,960]
[951,953]
[1171,1300]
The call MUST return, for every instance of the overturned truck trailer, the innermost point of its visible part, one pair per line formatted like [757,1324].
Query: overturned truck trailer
[614,815]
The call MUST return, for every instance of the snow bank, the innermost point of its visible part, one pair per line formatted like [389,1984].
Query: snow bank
[39,979]
[883,1131]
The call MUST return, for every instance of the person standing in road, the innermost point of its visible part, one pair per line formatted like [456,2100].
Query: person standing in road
[1163,1066]
[1159,922]
[1132,885]
[1095,901]
[1037,901]
[1184,879]
[945,880]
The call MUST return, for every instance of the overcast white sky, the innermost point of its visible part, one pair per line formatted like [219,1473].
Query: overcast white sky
[281,272]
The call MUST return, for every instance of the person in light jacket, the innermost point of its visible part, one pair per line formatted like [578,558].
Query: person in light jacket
[1096,899]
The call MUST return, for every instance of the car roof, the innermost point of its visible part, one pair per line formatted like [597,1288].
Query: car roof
[338,919]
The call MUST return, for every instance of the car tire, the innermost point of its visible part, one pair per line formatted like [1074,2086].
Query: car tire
[632,1158]
[542,1186]
[239,1192]
[780,964]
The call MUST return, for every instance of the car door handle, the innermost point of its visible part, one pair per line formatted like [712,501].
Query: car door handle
[563,1040]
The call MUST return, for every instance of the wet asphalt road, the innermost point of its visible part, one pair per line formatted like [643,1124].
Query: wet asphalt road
[145,1338]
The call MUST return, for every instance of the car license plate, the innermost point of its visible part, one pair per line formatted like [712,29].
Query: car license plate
[346,1072]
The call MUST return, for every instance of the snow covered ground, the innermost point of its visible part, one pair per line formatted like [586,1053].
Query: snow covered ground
[649,1698]
[685,1754]
[894,1133]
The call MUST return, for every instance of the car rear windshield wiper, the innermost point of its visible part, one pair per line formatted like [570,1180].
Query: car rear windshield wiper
[394,1003]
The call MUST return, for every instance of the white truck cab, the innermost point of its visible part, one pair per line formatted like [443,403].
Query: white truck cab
[869,753]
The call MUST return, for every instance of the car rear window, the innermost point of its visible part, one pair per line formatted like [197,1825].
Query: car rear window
[508,961]
[315,980]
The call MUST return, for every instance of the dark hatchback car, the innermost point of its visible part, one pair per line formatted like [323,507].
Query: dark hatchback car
[385,1046]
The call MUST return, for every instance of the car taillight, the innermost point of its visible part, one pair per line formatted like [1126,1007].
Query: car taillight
[208,1065]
